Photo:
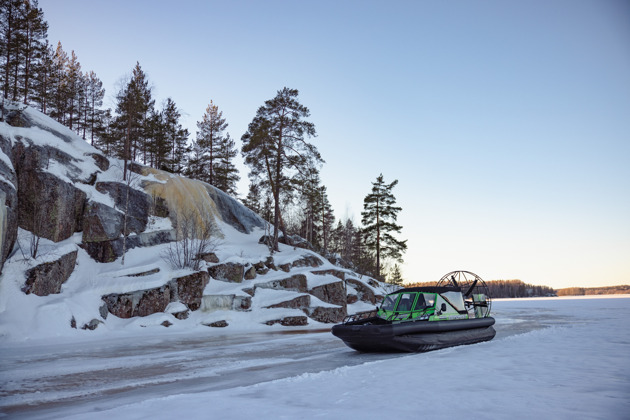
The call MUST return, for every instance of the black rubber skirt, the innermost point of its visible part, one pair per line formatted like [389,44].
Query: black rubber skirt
[416,336]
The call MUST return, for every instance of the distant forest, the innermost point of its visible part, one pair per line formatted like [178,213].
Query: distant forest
[519,289]
[580,291]
[507,289]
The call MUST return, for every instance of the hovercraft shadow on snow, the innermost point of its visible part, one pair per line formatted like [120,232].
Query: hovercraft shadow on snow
[454,312]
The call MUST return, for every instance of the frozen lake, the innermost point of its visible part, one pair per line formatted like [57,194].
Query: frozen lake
[552,358]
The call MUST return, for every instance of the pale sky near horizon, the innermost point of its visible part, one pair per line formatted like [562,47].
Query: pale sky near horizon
[507,124]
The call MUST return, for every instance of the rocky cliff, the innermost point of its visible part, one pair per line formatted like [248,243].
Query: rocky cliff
[87,248]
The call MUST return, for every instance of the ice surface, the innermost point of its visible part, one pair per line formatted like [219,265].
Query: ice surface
[551,358]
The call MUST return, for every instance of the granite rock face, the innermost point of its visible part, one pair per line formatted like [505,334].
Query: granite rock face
[229,272]
[296,283]
[47,205]
[190,289]
[334,293]
[47,278]
[364,293]
[8,201]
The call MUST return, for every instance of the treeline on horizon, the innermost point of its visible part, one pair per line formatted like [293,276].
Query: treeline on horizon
[583,291]
[519,289]
[285,187]
[506,289]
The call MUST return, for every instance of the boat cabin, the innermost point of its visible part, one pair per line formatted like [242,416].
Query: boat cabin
[425,303]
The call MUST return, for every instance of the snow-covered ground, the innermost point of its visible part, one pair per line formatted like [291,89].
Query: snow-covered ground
[553,358]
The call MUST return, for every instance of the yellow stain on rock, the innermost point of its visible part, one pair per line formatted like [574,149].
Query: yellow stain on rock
[183,196]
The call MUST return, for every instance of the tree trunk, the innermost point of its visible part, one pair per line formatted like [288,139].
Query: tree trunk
[276,194]
[378,240]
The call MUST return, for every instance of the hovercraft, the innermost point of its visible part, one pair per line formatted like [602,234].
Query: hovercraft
[417,319]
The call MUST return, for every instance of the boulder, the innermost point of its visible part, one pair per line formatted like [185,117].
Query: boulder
[365,293]
[341,275]
[190,289]
[120,305]
[181,315]
[296,283]
[260,268]
[47,278]
[108,251]
[137,207]
[297,242]
[250,273]
[209,257]
[91,325]
[242,303]
[373,283]
[307,261]
[100,161]
[178,310]
[270,264]
[289,321]
[101,222]
[327,314]
[300,302]
[218,324]
[153,300]
[140,302]
[233,212]
[334,293]
[229,272]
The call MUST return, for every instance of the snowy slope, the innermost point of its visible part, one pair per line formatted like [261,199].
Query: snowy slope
[80,302]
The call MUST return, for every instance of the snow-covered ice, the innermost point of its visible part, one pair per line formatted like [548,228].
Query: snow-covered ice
[552,358]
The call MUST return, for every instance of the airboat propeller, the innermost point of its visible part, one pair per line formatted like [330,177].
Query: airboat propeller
[475,291]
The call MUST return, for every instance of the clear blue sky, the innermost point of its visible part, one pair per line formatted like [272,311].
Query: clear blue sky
[506,123]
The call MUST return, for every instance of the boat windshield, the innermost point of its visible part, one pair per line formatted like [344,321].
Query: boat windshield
[389,302]
[425,300]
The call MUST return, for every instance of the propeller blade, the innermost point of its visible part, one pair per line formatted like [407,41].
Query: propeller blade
[454,281]
[472,286]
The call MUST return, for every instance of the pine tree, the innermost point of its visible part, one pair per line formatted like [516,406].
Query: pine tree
[42,93]
[58,102]
[195,169]
[73,92]
[254,197]
[378,219]
[23,34]
[12,13]
[94,101]
[156,146]
[226,173]
[327,218]
[309,185]
[176,137]
[104,130]
[35,45]
[133,107]
[395,276]
[274,146]
[209,140]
